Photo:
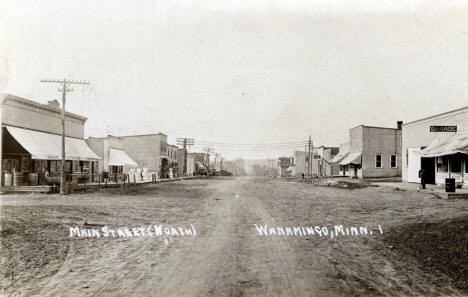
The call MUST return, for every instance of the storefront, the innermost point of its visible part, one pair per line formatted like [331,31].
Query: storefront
[351,165]
[437,145]
[446,157]
[34,158]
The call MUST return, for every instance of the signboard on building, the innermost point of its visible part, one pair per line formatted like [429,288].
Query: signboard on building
[443,128]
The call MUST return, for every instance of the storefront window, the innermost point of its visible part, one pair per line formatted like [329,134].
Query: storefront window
[455,163]
[10,165]
[442,164]
[40,165]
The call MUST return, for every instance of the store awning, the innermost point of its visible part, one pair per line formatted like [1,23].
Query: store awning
[352,158]
[200,165]
[448,145]
[47,146]
[339,157]
[120,158]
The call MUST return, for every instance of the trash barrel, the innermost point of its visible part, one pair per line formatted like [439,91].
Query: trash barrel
[17,179]
[450,185]
[33,179]
[8,179]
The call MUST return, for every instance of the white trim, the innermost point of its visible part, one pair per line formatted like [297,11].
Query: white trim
[396,161]
[375,163]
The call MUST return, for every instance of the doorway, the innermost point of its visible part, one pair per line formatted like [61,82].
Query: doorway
[428,164]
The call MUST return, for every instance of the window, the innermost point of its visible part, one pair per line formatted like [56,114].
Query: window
[466,164]
[378,161]
[393,161]
[455,163]
[442,164]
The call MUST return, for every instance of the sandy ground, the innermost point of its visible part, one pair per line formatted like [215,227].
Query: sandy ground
[227,257]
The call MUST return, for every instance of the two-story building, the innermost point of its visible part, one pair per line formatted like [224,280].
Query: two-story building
[31,146]
[114,160]
[371,152]
[149,151]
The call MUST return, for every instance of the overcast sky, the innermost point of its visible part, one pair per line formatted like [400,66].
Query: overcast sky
[239,71]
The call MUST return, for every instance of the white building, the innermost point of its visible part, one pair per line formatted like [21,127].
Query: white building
[439,145]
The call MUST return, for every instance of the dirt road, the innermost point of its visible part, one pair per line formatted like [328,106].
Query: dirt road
[227,256]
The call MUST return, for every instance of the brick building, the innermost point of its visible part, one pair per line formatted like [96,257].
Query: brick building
[32,143]
[439,145]
[371,152]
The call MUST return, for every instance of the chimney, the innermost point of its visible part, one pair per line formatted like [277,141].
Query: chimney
[53,103]
[399,125]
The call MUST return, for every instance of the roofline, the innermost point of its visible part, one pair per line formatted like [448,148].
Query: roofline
[436,115]
[36,130]
[374,127]
[136,135]
[5,97]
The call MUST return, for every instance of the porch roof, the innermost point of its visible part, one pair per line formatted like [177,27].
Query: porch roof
[47,146]
[120,158]
[339,157]
[352,158]
[447,145]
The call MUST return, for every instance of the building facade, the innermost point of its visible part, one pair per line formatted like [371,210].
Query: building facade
[321,162]
[149,151]
[439,145]
[114,160]
[284,163]
[372,152]
[172,153]
[32,144]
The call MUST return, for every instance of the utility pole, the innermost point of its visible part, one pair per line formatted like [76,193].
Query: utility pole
[185,142]
[310,157]
[65,88]
[207,158]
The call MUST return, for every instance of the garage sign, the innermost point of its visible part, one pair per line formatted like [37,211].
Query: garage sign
[443,128]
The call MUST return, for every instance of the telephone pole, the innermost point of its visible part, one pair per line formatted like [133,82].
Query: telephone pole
[310,157]
[65,88]
[185,142]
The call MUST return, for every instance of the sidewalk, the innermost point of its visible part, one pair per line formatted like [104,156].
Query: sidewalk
[438,190]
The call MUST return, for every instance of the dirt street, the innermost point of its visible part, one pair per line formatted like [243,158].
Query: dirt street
[227,256]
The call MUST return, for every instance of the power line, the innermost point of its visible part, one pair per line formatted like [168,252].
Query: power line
[249,144]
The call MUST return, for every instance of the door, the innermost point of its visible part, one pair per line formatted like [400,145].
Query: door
[428,164]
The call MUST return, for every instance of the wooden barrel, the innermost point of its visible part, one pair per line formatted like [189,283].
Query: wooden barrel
[33,179]
[8,179]
[17,179]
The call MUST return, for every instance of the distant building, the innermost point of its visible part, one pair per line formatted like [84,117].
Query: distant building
[372,152]
[284,163]
[32,143]
[321,162]
[190,164]
[439,145]
[172,152]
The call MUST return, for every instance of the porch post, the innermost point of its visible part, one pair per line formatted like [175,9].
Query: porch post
[449,167]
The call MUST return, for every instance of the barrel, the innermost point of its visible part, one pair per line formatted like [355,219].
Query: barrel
[8,179]
[33,179]
[450,185]
[17,179]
